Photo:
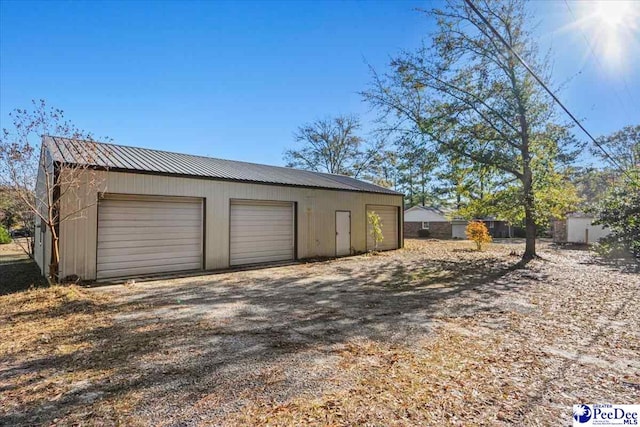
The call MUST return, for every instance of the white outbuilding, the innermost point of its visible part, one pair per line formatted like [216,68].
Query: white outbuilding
[578,228]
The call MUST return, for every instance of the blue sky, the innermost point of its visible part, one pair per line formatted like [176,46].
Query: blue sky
[235,79]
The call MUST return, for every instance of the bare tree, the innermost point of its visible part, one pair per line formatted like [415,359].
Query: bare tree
[333,146]
[36,180]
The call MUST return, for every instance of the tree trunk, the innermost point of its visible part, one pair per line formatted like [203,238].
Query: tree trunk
[55,257]
[529,198]
[529,220]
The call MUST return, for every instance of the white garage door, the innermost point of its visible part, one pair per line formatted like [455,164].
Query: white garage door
[261,232]
[389,220]
[145,235]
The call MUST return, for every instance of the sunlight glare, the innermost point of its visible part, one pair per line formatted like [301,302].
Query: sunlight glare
[613,13]
[613,27]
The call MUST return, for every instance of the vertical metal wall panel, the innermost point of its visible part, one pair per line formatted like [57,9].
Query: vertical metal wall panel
[315,215]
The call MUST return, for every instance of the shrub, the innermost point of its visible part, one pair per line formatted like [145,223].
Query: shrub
[620,213]
[478,232]
[5,237]
[376,228]
[424,233]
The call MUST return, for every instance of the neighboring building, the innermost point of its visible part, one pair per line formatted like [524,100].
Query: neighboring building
[497,228]
[578,228]
[459,228]
[426,218]
[157,212]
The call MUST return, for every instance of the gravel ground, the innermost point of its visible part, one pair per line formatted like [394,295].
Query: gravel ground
[202,350]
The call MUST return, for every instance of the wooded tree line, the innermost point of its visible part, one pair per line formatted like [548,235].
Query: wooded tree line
[430,177]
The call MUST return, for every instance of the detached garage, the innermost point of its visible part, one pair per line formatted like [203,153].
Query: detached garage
[142,212]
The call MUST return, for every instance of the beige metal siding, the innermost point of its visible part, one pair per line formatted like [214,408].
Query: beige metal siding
[315,216]
[389,222]
[145,235]
[261,232]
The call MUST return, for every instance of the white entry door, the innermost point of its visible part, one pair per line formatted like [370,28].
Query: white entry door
[343,233]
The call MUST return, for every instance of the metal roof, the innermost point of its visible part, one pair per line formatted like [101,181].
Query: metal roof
[121,158]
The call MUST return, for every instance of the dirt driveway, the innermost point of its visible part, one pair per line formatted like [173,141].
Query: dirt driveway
[276,344]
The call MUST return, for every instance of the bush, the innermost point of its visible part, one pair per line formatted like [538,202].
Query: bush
[5,237]
[620,213]
[478,232]
[424,233]
[611,248]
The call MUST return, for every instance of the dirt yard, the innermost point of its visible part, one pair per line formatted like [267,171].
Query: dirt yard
[435,333]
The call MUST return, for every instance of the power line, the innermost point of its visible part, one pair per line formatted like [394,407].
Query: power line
[539,80]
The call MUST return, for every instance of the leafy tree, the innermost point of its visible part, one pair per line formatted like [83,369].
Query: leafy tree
[23,162]
[592,185]
[5,237]
[416,165]
[623,146]
[555,196]
[454,185]
[477,231]
[333,146]
[620,212]
[620,208]
[376,228]
[467,92]
[385,172]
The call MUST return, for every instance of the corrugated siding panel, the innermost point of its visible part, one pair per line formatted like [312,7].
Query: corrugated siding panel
[316,215]
[389,222]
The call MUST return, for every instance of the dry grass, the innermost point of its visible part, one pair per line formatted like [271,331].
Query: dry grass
[49,331]
[448,380]
[569,336]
